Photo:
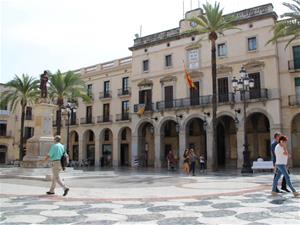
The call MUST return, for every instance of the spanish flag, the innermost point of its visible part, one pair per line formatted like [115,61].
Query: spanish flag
[189,79]
[141,111]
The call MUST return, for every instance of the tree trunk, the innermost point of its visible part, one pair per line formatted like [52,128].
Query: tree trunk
[214,103]
[21,147]
[60,103]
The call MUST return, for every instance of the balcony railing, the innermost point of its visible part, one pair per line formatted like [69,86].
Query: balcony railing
[294,100]
[5,133]
[28,117]
[124,92]
[104,119]
[184,102]
[105,95]
[73,122]
[256,94]
[148,107]
[87,120]
[123,117]
[226,98]
[294,64]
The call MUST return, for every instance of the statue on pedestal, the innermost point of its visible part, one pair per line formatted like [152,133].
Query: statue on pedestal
[43,84]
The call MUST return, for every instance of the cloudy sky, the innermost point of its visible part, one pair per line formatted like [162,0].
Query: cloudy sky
[70,34]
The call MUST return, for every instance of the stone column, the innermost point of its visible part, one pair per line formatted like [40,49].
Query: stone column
[240,147]
[157,146]
[81,148]
[116,152]
[97,150]
[134,148]
[182,146]
[209,142]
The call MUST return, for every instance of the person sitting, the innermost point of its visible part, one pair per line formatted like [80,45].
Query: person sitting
[260,159]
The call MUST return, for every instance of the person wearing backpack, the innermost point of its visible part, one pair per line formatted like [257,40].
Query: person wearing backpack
[55,154]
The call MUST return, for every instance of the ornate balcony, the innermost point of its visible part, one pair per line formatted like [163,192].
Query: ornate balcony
[123,117]
[226,98]
[148,107]
[126,92]
[104,119]
[87,120]
[294,100]
[105,95]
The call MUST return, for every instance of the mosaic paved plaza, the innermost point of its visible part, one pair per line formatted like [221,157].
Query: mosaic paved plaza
[148,198]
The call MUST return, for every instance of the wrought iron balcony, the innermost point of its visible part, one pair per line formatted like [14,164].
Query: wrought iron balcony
[256,94]
[123,117]
[87,120]
[104,119]
[184,102]
[105,95]
[148,107]
[294,64]
[124,92]
[294,100]
[226,98]
[73,122]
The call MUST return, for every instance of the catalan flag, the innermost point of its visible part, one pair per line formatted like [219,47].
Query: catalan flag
[189,79]
[141,110]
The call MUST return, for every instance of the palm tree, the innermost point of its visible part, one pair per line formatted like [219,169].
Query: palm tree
[290,26]
[21,91]
[65,86]
[212,23]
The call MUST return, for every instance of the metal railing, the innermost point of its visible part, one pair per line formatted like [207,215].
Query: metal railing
[226,98]
[294,64]
[256,94]
[28,117]
[123,117]
[5,133]
[103,95]
[87,120]
[148,107]
[124,92]
[294,100]
[104,119]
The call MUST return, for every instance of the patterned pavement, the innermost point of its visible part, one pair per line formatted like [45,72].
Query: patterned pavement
[249,206]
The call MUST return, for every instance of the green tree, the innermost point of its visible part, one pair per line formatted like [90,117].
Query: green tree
[213,23]
[21,91]
[65,86]
[289,26]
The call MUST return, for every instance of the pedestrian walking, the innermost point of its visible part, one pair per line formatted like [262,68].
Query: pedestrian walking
[55,153]
[273,145]
[185,166]
[171,160]
[281,154]
[193,158]
[202,164]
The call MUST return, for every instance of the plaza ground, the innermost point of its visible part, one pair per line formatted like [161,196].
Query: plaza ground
[129,196]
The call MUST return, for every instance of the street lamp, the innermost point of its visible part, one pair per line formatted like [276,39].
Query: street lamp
[177,126]
[67,110]
[243,85]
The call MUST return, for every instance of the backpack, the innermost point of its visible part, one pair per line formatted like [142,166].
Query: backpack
[64,160]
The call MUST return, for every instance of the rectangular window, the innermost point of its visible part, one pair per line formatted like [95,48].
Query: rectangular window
[252,45]
[73,117]
[106,112]
[168,60]
[145,97]
[195,93]
[89,90]
[146,65]
[106,88]
[297,87]
[255,92]
[193,59]
[223,95]
[125,86]
[3,126]
[222,50]
[29,131]
[28,113]
[168,96]
[88,114]
[296,57]
[125,107]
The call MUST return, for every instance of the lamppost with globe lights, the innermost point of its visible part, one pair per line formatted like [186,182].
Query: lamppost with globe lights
[67,110]
[243,85]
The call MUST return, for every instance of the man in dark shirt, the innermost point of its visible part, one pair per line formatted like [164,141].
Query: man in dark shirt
[273,145]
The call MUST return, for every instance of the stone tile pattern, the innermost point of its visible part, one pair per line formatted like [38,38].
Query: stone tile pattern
[255,208]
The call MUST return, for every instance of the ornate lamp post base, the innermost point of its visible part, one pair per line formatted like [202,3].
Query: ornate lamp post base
[246,166]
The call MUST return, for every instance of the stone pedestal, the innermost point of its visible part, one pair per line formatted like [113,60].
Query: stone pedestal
[38,146]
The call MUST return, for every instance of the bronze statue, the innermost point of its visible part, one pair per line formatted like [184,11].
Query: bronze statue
[43,84]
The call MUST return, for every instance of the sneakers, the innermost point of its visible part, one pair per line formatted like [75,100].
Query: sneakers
[50,193]
[285,189]
[274,193]
[296,194]
[66,191]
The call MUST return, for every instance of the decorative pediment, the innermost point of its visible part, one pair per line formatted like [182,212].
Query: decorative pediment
[224,69]
[168,79]
[254,64]
[145,83]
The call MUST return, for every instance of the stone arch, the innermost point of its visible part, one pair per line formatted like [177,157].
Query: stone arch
[124,146]
[262,111]
[192,116]
[295,140]
[141,122]
[162,122]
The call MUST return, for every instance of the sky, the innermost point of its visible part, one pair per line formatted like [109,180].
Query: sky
[38,35]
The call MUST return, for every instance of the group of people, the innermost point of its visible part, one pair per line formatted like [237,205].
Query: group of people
[189,161]
[280,159]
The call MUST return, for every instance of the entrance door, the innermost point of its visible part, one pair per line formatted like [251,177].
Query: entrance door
[2,157]
[106,155]
[221,145]
[124,155]
[194,94]
[223,89]
[75,152]
[296,57]
[90,154]
[169,96]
